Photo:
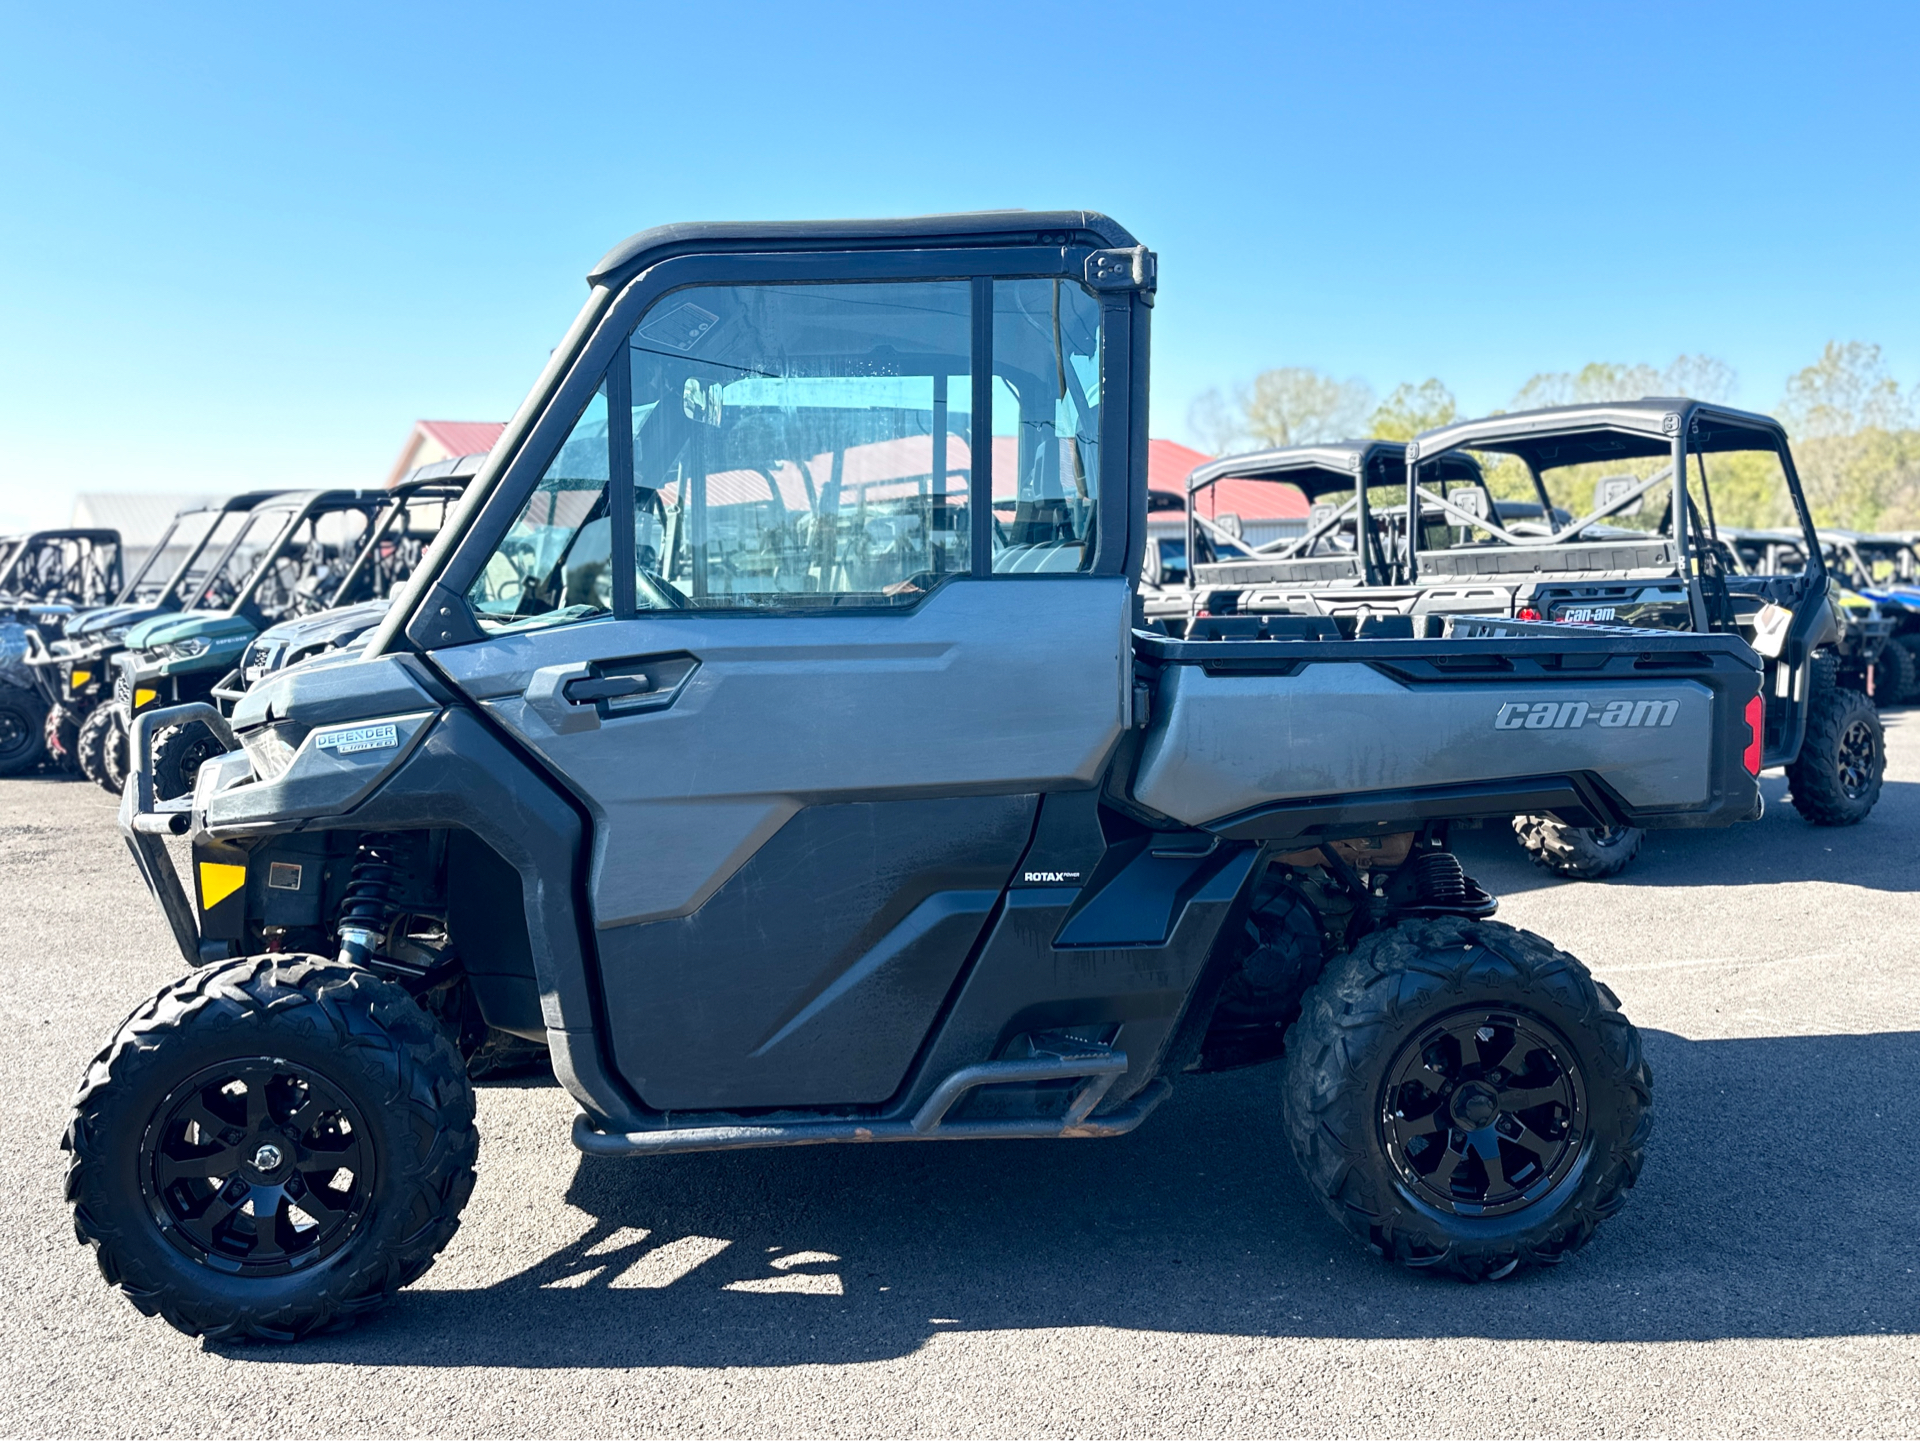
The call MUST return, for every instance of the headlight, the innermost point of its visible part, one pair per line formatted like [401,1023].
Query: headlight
[187,649]
[271,749]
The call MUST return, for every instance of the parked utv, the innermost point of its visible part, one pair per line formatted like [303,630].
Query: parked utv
[45,576]
[772,734]
[1881,569]
[288,559]
[74,672]
[1645,551]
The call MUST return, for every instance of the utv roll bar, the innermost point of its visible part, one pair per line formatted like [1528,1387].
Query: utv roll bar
[1654,426]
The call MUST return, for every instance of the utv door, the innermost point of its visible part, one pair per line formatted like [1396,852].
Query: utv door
[807,583]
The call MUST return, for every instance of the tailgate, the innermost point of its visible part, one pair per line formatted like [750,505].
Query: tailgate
[1282,738]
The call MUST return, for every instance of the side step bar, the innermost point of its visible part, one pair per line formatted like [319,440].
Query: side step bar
[929,1123]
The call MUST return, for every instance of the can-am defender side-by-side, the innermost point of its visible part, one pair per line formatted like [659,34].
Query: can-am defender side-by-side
[1628,536]
[45,576]
[771,733]
[75,672]
[287,560]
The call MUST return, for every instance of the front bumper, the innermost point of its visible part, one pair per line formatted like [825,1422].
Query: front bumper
[146,823]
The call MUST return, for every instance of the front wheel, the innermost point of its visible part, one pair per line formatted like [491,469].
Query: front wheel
[271,1148]
[1835,780]
[1465,1098]
[1582,853]
[178,753]
[1893,675]
[23,720]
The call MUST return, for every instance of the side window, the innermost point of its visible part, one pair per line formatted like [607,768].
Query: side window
[1046,424]
[802,447]
[555,562]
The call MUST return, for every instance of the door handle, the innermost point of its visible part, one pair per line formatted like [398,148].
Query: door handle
[588,689]
[548,698]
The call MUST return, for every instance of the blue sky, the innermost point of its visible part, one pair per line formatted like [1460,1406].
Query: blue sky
[251,244]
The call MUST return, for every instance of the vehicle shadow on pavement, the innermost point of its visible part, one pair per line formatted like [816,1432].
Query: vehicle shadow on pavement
[1777,1201]
[1878,854]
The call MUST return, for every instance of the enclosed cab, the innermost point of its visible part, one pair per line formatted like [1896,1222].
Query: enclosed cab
[773,735]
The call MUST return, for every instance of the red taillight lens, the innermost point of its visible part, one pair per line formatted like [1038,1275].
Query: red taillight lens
[1526,612]
[1756,729]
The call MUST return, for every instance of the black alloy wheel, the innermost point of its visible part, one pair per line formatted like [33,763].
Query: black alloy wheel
[22,729]
[257,1167]
[178,753]
[1481,1112]
[1858,758]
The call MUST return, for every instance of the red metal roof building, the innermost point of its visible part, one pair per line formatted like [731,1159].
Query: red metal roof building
[433,440]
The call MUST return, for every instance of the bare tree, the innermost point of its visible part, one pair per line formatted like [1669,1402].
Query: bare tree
[1214,424]
[1297,405]
[1701,376]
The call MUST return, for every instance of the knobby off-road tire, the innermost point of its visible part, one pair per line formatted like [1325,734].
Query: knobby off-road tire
[115,756]
[62,731]
[1584,853]
[89,745]
[23,724]
[1835,780]
[320,1094]
[1893,675]
[178,753]
[1434,1045]
[1911,645]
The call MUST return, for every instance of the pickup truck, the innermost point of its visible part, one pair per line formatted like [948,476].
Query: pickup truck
[772,733]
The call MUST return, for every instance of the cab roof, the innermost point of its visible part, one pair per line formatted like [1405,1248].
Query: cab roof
[929,232]
[1324,467]
[1612,430]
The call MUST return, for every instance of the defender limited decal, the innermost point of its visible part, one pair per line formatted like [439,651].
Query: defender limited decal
[358,738]
[1573,714]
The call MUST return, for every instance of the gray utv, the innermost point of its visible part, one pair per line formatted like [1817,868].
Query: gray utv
[46,576]
[1626,535]
[1347,572]
[771,733]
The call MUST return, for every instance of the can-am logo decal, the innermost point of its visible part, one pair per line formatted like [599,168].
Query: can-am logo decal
[1564,715]
[1588,614]
[360,738]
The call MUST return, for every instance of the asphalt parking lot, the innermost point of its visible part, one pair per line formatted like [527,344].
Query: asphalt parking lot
[1764,1280]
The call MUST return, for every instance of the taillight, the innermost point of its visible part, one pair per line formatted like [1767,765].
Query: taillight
[1526,612]
[1756,728]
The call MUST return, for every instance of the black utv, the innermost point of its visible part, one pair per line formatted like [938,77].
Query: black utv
[773,734]
[1627,535]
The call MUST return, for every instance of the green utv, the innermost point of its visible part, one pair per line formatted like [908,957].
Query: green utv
[75,671]
[774,734]
[287,558]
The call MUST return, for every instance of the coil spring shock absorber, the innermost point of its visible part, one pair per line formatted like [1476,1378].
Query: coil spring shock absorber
[370,902]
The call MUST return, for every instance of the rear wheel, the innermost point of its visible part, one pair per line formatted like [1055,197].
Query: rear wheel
[1465,1098]
[23,719]
[271,1148]
[178,753]
[1583,853]
[1893,675]
[1835,780]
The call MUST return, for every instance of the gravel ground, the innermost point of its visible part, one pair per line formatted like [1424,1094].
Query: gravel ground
[1178,1281]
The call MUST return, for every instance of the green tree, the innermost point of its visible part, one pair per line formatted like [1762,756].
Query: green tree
[1845,391]
[1298,405]
[1410,409]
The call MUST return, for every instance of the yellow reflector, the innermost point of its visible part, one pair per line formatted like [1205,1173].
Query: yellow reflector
[218,881]
[142,695]
[81,677]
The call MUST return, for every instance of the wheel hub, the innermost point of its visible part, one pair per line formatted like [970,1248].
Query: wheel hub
[1483,1112]
[257,1166]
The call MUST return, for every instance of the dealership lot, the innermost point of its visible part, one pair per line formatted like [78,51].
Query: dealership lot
[1763,1279]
